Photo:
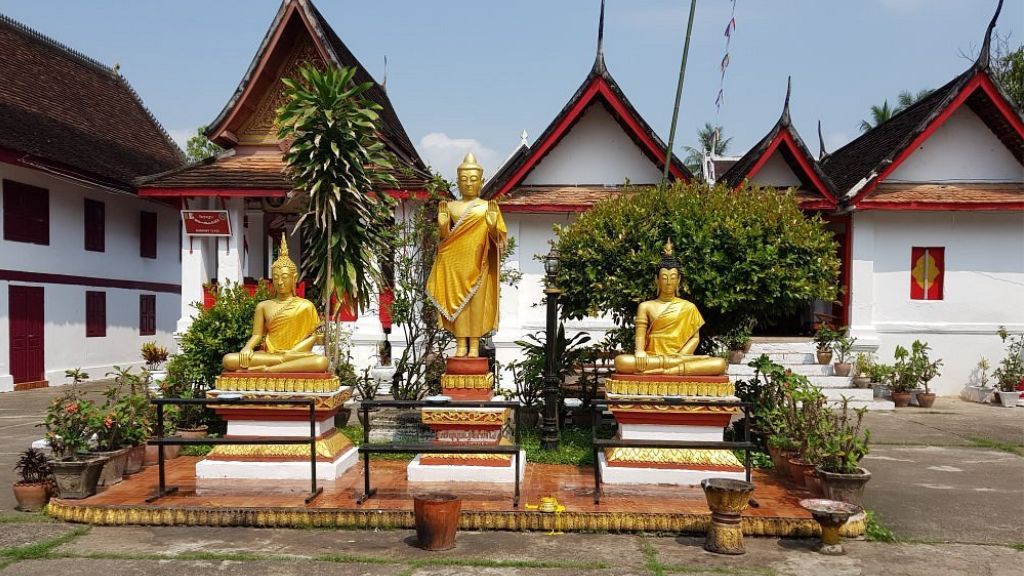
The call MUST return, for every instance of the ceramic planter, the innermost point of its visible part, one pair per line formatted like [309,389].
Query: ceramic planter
[861,382]
[736,356]
[1009,399]
[926,399]
[842,369]
[847,488]
[824,357]
[982,395]
[77,478]
[901,399]
[30,497]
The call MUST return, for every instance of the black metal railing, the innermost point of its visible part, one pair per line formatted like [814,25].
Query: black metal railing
[366,449]
[160,440]
[599,406]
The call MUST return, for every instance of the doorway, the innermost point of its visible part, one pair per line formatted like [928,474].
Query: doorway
[25,307]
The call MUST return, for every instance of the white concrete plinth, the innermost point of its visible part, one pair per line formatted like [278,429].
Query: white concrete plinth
[292,470]
[675,477]
[417,472]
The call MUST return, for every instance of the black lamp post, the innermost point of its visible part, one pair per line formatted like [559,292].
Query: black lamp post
[549,426]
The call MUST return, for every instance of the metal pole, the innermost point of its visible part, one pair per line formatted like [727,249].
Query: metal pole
[679,94]
[549,427]
[160,447]
[312,448]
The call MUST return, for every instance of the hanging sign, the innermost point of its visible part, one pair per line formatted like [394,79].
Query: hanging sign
[206,222]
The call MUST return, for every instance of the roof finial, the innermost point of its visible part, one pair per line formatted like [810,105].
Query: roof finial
[986,46]
[522,139]
[599,66]
[384,83]
[822,153]
[117,68]
[785,106]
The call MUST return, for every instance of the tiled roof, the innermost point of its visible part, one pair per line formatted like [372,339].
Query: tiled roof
[66,110]
[947,194]
[557,198]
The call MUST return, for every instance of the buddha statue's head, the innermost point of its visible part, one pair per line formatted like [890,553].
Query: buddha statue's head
[669,275]
[470,177]
[283,271]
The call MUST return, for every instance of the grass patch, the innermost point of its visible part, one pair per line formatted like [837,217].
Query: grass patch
[698,569]
[1007,447]
[354,432]
[575,446]
[27,518]
[196,450]
[483,563]
[39,550]
[875,531]
[651,563]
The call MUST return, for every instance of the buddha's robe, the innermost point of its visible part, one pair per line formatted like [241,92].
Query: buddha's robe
[678,321]
[463,282]
[293,322]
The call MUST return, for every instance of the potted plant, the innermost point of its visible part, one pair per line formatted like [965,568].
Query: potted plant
[879,375]
[863,364]
[979,392]
[33,485]
[843,346]
[926,369]
[347,376]
[737,341]
[823,340]
[367,387]
[528,377]
[154,356]
[70,421]
[842,443]
[1010,372]
[903,378]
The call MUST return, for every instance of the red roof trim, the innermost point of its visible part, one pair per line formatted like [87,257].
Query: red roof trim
[206,192]
[416,194]
[785,137]
[944,206]
[598,87]
[979,81]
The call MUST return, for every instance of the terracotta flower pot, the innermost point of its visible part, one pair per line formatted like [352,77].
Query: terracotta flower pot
[824,357]
[746,347]
[194,433]
[901,399]
[842,369]
[847,488]
[797,469]
[437,520]
[736,356]
[170,453]
[926,400]
[779,463]
[77,478]
[813,482]
[31,497]
[861,382]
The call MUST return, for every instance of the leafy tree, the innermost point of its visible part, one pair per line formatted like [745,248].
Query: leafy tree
[746,255]
[710,141]
[1008,70]
[199,147]
[879,114]
[335,161]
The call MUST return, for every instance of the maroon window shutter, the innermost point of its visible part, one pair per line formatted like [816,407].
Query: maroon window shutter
[26,213]
[147,314]
[95,226]
[147,244]
[95,314]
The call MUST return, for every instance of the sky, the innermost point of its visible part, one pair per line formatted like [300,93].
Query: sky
[473,75]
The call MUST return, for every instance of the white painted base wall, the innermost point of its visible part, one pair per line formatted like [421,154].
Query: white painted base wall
[239,470]
[417,472]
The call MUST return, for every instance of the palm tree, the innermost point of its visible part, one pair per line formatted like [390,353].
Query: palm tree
[335,161]
[879,114]
[710,142]
[906,99]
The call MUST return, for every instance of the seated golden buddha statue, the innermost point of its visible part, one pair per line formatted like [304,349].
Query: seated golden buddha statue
[286,325]
[668,331]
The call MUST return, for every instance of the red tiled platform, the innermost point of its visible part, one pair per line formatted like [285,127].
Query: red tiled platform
[485,506]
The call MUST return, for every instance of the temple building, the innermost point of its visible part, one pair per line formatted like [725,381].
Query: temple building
[88,270]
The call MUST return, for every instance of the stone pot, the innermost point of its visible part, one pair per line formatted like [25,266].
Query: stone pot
[797,470]
[901,399]
[342,417]
[1008,399]
[136,457]
[529,418]
[842,369]
[813,482]
[736,356]
[824,356]
[113,469]
[926,399]
[31,497]
[77,478]
[977,394]
[847,488]
[194,433]
[861,382]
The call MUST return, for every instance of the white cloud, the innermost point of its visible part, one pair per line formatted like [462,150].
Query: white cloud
[444,154]
[181,135]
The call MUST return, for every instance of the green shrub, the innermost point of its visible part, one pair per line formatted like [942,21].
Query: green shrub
[748,254]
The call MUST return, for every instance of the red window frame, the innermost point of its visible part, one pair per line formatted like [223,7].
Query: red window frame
[147,314]
[95,225]
[147,234]
[26,213]
[927,283]
[95,314]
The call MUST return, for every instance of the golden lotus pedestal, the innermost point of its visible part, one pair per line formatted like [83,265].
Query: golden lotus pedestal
[228,464]
[466,379]
[641,422]
[727,500]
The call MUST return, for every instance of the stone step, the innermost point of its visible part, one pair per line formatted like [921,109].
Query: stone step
[806,347]
[831,381]
[871,405]
[784,358]
[744,371]
[859,394]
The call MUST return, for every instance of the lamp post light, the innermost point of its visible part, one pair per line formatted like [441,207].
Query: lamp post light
[549,426]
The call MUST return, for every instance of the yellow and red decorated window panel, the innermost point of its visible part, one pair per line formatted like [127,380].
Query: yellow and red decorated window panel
[927,270]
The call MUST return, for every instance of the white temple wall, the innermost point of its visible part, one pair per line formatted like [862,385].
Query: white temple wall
[983,286]
[775,172]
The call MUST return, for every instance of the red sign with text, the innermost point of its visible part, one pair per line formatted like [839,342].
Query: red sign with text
[206,222]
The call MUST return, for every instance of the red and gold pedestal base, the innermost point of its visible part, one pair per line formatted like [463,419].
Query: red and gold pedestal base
[670,422]
[466,379]
[335,454]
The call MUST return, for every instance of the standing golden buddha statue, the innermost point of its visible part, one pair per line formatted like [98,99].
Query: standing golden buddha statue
[668,331]
[285,325]
[463,282]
